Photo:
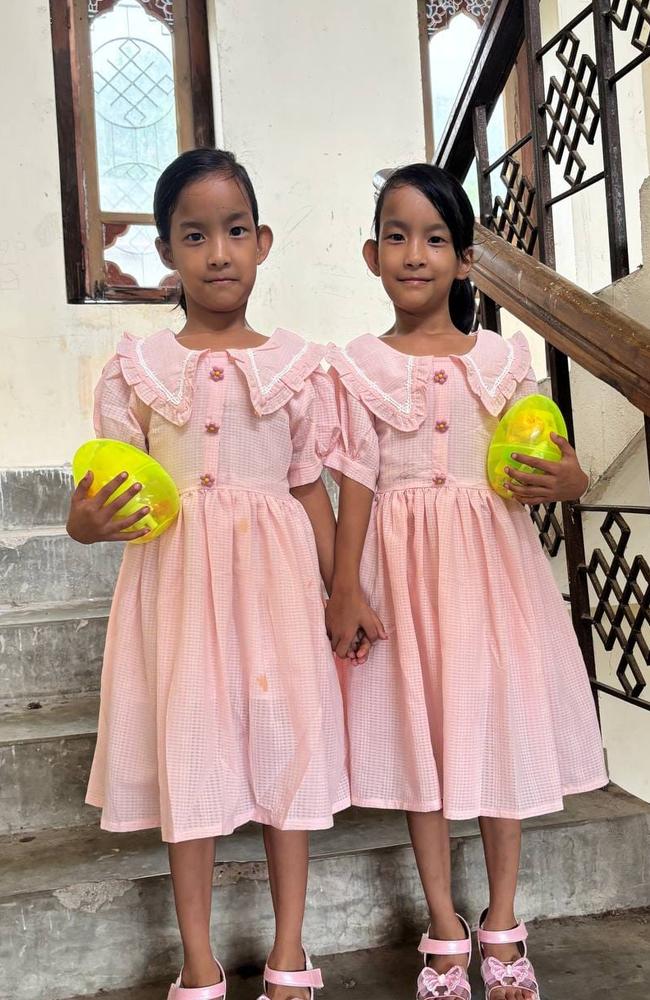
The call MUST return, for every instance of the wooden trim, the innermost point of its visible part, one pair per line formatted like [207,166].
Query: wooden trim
[127,218]
[201,76]
[67,130]
[83,221]
[425,77]
[129,295]
[610,345]
[183,80]
[94,241]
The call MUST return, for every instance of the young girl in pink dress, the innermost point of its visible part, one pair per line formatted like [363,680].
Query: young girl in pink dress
[474,701]
[220,701]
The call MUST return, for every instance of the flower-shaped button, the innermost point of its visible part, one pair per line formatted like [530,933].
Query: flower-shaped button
[207,480]
[216,374]
[440,376]
[439,480]
[442,426]
[211,427]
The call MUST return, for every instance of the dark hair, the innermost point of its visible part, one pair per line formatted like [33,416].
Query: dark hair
[446,194]
[187,168]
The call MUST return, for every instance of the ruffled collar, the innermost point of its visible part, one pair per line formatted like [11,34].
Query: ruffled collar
[278,369]
[495,367]
[393,385]
[163,373]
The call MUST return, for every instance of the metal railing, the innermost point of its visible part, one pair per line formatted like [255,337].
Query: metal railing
[514,268]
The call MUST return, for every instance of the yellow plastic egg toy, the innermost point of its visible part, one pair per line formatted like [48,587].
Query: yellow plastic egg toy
[106,459]
[525,429]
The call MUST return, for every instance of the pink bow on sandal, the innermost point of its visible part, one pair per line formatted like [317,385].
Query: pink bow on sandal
[452,984]
[441,984]
[497,974]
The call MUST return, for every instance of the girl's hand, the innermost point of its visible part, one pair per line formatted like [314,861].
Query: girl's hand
[360,648]
[347,612]
[91,519]
[563,480]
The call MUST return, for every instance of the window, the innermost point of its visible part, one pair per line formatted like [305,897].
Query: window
[133,90]
[454,27]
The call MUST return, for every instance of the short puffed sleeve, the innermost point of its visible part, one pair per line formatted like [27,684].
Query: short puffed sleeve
[356,449]
[314,428]
[118,412]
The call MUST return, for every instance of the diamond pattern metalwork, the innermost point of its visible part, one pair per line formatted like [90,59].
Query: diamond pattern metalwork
[572,107]
[549,527]
[512,216]
[623,11]
[622,614]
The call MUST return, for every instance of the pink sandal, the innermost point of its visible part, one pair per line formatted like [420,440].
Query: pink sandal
[499,974]
[216,992]
[310,978]
[453,984]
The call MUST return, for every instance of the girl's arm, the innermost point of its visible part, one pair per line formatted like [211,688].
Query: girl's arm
[117,414]
[318,507]
[347,611]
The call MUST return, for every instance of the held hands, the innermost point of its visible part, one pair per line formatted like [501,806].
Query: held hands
[352,625]
[563,480]
[92,519]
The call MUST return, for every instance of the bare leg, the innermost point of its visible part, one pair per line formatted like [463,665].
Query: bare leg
[191,865]
[502,847]
[430,839]
[287,853]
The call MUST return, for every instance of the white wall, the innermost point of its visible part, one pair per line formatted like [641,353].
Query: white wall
[313,100]
[328,101]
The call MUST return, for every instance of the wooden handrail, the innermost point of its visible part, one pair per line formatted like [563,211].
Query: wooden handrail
[609,344]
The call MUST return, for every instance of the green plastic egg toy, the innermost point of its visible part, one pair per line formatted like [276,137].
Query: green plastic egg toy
[525,429]
[106,459]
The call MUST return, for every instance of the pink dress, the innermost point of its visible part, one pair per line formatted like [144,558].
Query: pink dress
[220,701]
[478,703]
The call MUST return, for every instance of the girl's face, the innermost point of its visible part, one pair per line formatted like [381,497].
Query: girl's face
[414,255]
[214,244]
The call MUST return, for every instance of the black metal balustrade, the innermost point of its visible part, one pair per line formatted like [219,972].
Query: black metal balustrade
[568,112]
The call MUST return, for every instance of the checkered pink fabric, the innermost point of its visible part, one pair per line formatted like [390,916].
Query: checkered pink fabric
[220,701]
[478,703]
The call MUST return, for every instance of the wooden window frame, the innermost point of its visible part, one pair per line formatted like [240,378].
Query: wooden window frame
[83,222]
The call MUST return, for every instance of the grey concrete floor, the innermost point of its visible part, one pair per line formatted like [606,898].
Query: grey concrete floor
[589,958]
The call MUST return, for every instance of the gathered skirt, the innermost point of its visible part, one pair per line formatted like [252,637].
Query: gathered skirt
[220,700]
[478,703]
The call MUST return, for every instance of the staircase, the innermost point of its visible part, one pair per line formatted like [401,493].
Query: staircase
[83,911]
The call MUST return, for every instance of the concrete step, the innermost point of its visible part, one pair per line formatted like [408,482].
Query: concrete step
[577,959]
[40,565]
[45,757]
[51,650]
[82,910]
[31,498]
